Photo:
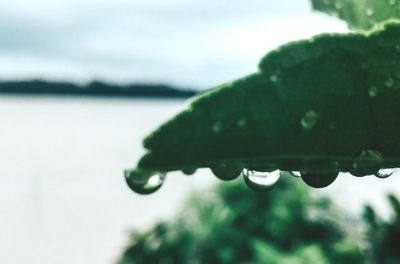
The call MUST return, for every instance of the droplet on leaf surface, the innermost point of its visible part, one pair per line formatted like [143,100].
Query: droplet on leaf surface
[373,91]
[367,163]
[309,119]
[295,174]
[389,82]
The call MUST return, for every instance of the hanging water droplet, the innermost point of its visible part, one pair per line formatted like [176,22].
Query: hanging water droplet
[320,174]
[189,170]
[319,180]
[367,163]
[309,119]
[260,181]
[373,91]
[295,174]
[144,182]
[389,82]
[227,171]
[384,173]
[369,11]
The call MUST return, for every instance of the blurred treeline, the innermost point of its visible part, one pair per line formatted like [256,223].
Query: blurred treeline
[233,224]
[94,88]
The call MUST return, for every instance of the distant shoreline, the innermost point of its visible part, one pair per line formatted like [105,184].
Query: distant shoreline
[93,89]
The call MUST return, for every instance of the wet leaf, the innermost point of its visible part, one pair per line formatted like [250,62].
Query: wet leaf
[360,14]
[310,101]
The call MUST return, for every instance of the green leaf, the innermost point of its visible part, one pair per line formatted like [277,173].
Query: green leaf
[360,14]
[319,106]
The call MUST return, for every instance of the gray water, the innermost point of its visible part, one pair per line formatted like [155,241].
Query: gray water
[62,194]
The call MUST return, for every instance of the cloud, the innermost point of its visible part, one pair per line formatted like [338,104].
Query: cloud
[195,43]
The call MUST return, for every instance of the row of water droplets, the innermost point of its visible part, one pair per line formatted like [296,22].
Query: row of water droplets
[369,162]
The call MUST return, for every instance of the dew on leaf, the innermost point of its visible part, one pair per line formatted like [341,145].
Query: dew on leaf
[260,181]
[227,171]
[309,119]
[384,173]
[373,91]
[367,163]
[144,183]
[295,174]
[389,82]
[189,170]
[319,180]
[319,174]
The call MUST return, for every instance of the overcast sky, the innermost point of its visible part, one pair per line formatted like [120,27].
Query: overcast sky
[189,43]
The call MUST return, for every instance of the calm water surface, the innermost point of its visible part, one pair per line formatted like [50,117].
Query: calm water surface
[62,194]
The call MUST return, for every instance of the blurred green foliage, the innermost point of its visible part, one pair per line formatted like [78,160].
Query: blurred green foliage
[233,224]
[384,235]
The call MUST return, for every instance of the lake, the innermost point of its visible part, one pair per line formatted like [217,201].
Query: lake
[63,198]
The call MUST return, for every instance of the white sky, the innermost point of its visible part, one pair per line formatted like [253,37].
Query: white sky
[189,43]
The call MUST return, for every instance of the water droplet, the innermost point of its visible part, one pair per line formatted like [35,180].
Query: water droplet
[144,182]
[275,78]
[319,180]
[367,163]
[217,127]
[369,11]
[373,91]
[189,170]
[260,181]
[389,82]
[320,174]
[309,119]
[392,2]
[384,173]
[227,171]
[296,174]
[242,122]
